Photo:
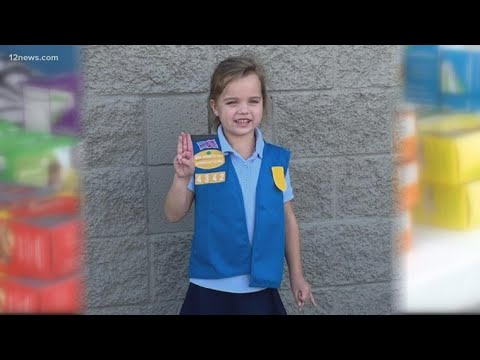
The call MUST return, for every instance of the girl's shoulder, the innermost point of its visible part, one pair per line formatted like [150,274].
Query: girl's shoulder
[276,147]
[276,151]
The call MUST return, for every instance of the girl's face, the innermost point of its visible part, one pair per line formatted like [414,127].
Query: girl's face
[240,106]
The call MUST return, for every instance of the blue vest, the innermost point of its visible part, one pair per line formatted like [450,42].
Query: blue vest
[220,246]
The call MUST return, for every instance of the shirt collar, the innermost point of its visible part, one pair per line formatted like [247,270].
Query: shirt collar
[226,147]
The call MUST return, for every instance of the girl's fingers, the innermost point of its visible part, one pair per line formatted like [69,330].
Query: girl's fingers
[189,143]
[179,145]
[184,142]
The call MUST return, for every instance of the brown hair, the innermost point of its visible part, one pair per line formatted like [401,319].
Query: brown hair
[230,69]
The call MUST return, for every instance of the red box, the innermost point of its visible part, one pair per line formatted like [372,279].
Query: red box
[21,296]
[41,248]
[22,201]
[54,205]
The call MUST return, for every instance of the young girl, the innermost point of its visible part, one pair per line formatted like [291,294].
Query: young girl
[244,218]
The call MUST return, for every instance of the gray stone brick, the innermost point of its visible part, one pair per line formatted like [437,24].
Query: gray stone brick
[312,182]
[364,186]
[113,132]
[368,65]
[115,202]
[339,253]
[117,271]
[335,123]
[146,69]
[170,256]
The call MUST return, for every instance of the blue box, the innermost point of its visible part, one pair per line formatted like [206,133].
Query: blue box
[422,75]
[460,79]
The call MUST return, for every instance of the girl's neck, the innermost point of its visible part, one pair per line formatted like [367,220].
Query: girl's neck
[244,145]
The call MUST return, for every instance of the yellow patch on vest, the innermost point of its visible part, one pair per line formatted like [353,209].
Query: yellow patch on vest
[279,177]
[209,159]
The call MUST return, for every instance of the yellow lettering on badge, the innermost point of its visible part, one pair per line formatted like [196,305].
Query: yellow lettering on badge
[279,177]
[209,159]
[210,178]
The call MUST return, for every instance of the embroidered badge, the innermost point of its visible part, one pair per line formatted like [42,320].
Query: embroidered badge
[208,144]
[210,178]
[279,177]
[209,159]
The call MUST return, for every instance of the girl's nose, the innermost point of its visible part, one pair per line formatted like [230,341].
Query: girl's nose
[243,109]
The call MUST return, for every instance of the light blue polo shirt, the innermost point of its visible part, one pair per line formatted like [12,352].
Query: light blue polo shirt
[247,173]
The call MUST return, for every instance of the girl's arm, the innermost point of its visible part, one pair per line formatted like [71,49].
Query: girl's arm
[300,287]
[179,198]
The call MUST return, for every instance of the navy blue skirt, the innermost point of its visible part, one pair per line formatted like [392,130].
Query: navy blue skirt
[203,301]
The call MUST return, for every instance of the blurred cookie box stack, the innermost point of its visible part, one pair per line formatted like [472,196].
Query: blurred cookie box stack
[406,186]
[41,229]
[443,83]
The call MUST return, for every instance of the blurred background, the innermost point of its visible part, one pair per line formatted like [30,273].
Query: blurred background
[335,106]
[437,179]
[332,106]
[41,227]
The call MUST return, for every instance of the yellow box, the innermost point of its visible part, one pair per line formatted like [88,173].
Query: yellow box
[449,148]
[449,206]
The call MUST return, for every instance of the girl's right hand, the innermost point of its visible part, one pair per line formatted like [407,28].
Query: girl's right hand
[183,163]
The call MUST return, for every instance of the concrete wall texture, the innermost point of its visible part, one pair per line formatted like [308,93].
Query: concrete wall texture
[332,107]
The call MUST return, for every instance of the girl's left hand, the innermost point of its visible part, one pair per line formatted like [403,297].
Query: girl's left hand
[301,291]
